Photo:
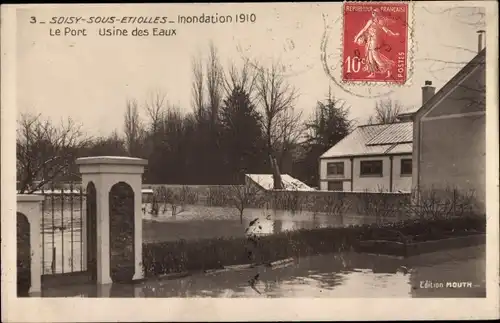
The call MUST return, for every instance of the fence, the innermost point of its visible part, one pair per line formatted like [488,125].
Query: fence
[61,230]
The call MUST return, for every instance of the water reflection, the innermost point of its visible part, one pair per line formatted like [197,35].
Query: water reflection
[333,275]
[276,221]
[272,221]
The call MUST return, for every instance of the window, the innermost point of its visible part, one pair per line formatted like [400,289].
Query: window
[371,168]
[336,168]
[406,166]
[335,186]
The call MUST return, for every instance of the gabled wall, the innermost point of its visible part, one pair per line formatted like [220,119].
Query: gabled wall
[450,135]
[453,154]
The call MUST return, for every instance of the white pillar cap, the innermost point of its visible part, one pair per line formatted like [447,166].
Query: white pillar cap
[111,160]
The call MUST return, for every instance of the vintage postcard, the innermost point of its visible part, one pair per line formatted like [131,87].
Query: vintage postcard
[248,161]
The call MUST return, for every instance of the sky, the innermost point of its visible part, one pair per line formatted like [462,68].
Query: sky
[89,78]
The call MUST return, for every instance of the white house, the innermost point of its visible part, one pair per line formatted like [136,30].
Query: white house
[372,157]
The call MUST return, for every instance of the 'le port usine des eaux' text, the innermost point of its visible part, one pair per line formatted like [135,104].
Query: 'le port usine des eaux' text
[135,25]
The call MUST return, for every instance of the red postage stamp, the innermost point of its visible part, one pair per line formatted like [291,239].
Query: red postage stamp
[375,47]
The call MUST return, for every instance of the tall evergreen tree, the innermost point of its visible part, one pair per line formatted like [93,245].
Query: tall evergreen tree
[328,125]
[241,134]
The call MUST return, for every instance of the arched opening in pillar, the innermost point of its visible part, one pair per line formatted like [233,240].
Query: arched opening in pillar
[91,203]
[23,255]
[121,232]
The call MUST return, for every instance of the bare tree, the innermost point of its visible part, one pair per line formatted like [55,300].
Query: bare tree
[198,88]
[386,111]
[207,87]
[155,107]
[471,16]
[240,78]
[133,129]
[172,126]
[442,203]
[277,98]
[45,151]
[215,77]
[244,196]
[472,92]
[291,129]
[113,145]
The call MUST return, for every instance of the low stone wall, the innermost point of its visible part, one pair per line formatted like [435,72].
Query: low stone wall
[332,202]
[335,202]
[202,194]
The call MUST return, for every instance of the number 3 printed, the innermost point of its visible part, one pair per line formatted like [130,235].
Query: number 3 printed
[33,20]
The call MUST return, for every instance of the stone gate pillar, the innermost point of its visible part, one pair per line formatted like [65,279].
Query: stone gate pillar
[107,174]
[30,206]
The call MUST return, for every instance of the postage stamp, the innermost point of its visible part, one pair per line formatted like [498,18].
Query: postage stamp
[375,42]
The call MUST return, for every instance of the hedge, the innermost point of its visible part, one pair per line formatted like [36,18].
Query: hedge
[178,256]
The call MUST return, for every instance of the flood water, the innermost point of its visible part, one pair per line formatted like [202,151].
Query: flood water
[333,275]
[62,252]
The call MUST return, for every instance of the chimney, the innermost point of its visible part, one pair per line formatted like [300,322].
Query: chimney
[428,91]
[480,40]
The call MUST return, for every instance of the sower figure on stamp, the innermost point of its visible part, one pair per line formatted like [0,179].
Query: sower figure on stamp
[375,61]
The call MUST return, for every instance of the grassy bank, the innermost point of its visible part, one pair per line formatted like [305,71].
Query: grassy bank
[204,254]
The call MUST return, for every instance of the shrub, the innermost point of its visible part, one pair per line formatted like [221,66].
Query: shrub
[159,197]
[335,205]
[289,200]
[188,195]
[244,196]
[414,227]
[182,255]
[176,198]
[437,203]
[217,196]
[380,204]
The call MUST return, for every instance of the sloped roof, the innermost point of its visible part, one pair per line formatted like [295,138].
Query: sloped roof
[379,139]
[394,134]
[289,183]
[402,148]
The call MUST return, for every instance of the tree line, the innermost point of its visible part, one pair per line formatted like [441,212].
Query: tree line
[241,117]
